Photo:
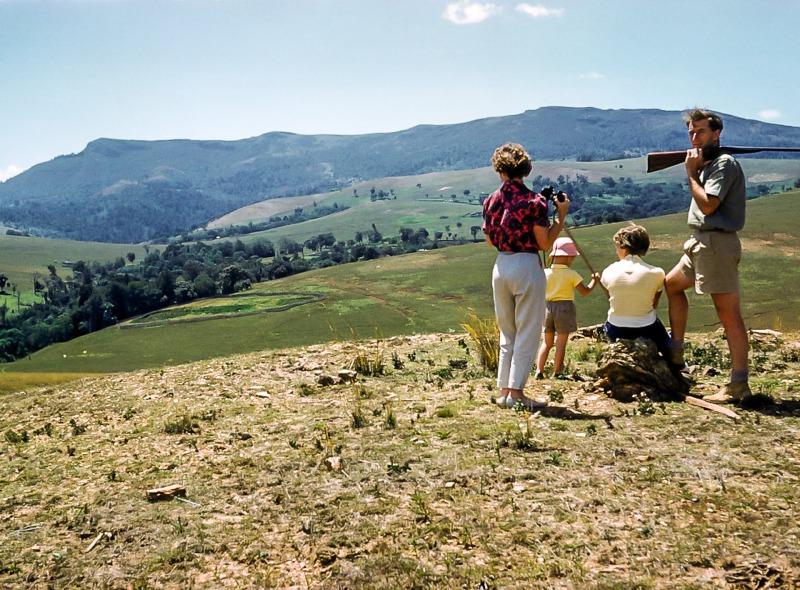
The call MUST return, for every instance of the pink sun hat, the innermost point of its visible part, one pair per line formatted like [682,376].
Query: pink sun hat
[564,247]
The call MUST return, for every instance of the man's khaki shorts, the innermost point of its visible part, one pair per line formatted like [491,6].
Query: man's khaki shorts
[711,260]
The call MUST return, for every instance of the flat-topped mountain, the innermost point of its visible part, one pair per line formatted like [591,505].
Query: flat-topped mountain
[131,191]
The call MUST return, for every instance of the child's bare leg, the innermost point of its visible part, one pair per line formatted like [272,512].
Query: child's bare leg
[544,351]
[561,349]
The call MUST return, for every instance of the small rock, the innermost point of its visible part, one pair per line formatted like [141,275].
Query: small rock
[326,380]
[333,463]
[347,376]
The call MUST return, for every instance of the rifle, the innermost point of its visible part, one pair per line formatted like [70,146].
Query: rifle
[660,160]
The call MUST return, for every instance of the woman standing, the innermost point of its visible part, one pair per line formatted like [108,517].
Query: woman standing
[516,223]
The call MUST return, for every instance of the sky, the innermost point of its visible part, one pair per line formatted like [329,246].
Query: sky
[72,71]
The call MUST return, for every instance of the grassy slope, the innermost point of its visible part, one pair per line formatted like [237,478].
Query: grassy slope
[422,207]
[434,292]
[426,206]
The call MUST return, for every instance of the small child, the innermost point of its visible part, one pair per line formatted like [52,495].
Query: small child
[560,318]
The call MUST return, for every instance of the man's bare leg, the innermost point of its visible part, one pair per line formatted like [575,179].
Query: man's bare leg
[676,285]
[730,315]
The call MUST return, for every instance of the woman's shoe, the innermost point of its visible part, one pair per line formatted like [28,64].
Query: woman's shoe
[505,401]
[526,403]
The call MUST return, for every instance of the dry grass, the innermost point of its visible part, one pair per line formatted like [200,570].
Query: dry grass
[435,487]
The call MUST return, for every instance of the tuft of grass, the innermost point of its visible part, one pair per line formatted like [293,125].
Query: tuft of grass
[16,438]
[707,354]
[446,412]
[184,424]
[397,362]
[358,419]
[644,405]
[485,336]
[306,390]
[370,364]
[584,351]
[391,419]
[444,373]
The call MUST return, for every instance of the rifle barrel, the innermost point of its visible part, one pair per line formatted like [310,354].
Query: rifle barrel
[660,160]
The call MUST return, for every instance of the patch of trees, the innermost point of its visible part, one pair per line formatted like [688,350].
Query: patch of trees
[99,295]
[617,199]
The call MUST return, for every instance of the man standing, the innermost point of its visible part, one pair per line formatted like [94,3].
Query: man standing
[711,256]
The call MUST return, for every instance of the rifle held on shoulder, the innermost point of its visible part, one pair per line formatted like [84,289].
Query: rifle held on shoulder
[660,160]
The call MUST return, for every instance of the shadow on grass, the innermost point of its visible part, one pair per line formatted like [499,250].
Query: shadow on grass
[772,407]
[568,414]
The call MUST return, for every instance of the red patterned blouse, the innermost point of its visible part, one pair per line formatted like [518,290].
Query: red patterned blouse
[509,216]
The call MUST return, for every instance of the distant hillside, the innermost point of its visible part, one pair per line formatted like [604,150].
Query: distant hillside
[132,191]
[435,291]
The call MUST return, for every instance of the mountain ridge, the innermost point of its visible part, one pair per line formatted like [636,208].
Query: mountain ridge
[136,190]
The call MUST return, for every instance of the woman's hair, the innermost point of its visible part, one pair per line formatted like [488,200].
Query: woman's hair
[634,239]
[512,159]
[695,115]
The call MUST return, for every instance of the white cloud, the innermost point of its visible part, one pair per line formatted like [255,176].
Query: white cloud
[539,11]
[465,12]
[591,76]
[770,114]
[8,172]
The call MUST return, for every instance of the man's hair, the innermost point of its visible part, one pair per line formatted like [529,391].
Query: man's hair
[634,239]
[512,159]
[714,120]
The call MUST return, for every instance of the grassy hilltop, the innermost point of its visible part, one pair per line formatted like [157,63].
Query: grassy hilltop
[408,477]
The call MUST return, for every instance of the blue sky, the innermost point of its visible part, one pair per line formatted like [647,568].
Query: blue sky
[72,71]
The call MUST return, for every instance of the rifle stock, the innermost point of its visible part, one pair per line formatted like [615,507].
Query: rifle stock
[660,160]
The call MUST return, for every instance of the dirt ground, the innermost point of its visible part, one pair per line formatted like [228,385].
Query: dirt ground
[296,473]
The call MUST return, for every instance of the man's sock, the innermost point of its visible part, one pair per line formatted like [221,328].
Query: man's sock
[674,343]
[740,376]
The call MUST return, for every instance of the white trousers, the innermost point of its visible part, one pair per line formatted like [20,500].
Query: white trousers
[519,288]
